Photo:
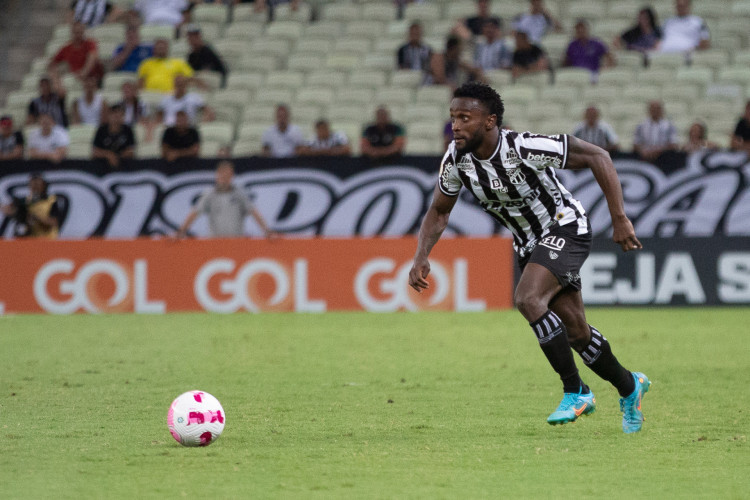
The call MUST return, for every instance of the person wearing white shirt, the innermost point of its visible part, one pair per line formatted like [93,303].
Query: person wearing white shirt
[90,108]
[282,139]
[182,100]
[162,12]
[49,141]
[655,135]
[684,32]
[536,22]
[492,53]
[596,131]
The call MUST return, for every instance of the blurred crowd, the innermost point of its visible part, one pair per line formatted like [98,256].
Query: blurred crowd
[474,46]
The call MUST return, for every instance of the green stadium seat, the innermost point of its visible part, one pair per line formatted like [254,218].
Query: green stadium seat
[656,76]
[342,12]
[423,12]
[423,146]
[283,12]
[273,96]
[212,149]
[365,29]
[222,132]
[573,76]
[352,95]
[285,79]
[307,62]
[702,76]
[439,95]
[324,29]
[210,13]
[394,96]
[249,80]
[345,61]
[379,11]
[320,78]
[560,92]
[289,30]
[735,74]
[80,150]
[244,30]
[321,96]
[371,78]
[406,78]
[591,10]
[259,63]
[353,44]
[246,13]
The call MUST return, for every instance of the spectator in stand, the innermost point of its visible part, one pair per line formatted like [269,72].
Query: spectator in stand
[93,12]
[587,52]
[90,108]
[114,140]
[449,68]
[163,12]
[38,214]
[536,22]
[157,73]
[51,101]
[129,55]
[684,32]
[698,139]
[528,58]
[415,54]
[226,207]
[136,110]
[202,57]
[596,131]
[80,55]
[642,37]
[49,141]
[282,139]
[492,53]
[655,135]
[325,142]
[384,139]
[741,136]
[181,140]
[472,27]
[11,143]
[181,100]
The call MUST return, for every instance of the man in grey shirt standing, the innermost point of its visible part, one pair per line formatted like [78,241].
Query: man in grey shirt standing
[226,207]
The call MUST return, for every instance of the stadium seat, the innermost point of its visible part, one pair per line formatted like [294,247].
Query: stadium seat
[741,8]
[354,95]
[617,77]
[378,11]
[394,96]
[688,92]
[348,112]
[243,30]
[734,74]
[544,110]
[211,13]
[260,113]
[365,29]
[259,63]
[353,44]
[727,42]
[210,78]
[245,148]
[641,93]
[244,80]
[151,32]
[423,146]
[659,60]
[407,78]
[222,132]
[80,150]
[228,112]
[283,12]
[388,45]
[534,80]
[110,32]
[601,93]
[434,94]
[591,10]
[398,30]
[324,29]
[423,12]
[499,78]
[321,78]
[246,13]
[741,58]
[573,76]
[307,62]
[629,59]
[284,79]
[426,113]
[211,149]
[289,30]
[322,96]
[278,47]
[20,98]
[656,76]
[343,12]
[460,9]
[702,76]
[383,62]
[560,93]
[714,58]
[440,28]
[313,45]
[342,61]
[368,78]
[273,96]
[519,94]
[635,110]
[307,114]
[251,132]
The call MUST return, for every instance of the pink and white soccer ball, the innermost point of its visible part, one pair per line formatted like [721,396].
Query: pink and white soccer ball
[195,418]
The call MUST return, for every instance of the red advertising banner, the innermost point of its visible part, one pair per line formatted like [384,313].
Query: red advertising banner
[229,275]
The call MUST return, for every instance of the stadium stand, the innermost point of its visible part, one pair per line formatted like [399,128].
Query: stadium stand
[337,59]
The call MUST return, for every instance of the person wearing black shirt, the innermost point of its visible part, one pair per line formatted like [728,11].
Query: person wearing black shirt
[202,57]
[11,143]
[114,140]
[527,58]
[181,140]
[741,135]
[383,139]
[51,101]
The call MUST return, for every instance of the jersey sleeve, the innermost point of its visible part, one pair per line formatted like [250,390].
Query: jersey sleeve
[543,151]
[448,180]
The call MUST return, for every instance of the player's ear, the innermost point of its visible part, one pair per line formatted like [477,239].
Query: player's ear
[491,122]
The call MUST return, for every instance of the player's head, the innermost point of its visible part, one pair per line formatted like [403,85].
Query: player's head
[224,174]
[476,110]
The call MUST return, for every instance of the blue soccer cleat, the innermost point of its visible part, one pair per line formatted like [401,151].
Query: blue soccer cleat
[572,406]
[632,417]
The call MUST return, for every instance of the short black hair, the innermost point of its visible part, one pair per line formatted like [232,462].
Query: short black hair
[484,94]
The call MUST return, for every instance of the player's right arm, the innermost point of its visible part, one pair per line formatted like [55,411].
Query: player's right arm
[434,223]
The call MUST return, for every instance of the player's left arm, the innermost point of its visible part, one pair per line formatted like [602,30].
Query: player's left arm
[582,154]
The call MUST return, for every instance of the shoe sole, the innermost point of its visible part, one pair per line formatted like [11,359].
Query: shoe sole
[586,413]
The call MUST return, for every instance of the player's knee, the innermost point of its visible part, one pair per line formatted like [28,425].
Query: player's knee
[529,305]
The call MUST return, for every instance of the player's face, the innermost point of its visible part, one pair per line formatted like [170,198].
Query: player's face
[470,122]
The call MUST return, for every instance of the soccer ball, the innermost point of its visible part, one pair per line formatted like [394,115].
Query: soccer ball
[195,418]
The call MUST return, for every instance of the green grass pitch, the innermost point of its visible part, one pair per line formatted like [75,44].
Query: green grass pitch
[356,405]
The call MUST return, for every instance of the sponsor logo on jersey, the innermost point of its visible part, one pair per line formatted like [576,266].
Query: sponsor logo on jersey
[498,186]
[545,160]
[516,176]
[465,164]
[445,170]
[511,157]
[553,242]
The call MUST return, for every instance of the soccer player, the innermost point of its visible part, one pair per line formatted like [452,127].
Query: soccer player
[512,177]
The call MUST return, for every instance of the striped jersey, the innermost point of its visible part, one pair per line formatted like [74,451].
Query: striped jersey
[517,185]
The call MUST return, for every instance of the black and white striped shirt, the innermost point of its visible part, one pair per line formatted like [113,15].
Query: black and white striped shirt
[517,185]
[90,12]
[602,134]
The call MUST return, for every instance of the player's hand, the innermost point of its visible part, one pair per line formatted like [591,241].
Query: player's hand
[624,235]
[418,274]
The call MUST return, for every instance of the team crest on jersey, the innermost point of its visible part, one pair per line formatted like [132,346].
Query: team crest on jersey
[510,157]
[465,164]
[553,255]
[498,186]
[516,176]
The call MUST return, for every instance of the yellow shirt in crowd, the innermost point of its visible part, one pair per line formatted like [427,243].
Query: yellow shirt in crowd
[158,74]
